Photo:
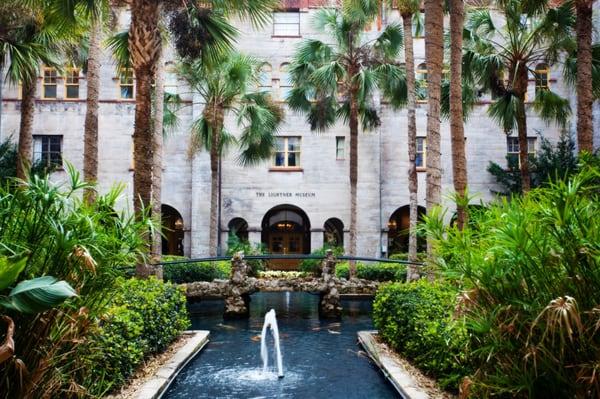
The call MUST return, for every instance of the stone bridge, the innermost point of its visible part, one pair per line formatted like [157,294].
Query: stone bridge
[237,290]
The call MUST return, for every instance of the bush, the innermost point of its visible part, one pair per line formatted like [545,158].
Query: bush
[416,320]
[375,271]
[144,318]
[531,271]
[313,266]
[180,273]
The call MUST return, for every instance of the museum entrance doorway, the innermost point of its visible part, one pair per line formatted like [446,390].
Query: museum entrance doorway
[286,231]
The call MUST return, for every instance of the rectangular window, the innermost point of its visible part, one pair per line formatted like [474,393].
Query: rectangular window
[126,83]
[287,152]
[286,23]
[421,152]
[49,83]
[512,150]
[47,150]
[72,83]
[340,147]
[541,75]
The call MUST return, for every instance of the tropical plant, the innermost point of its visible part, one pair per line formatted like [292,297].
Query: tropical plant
[79,243]
[229,86]
[37,38]
[499,58]
[529,269]
[338,80]
[551,163]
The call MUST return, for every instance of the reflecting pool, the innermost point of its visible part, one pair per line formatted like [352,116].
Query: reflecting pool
[321,358]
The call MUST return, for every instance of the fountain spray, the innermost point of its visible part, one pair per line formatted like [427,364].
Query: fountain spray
[271,322]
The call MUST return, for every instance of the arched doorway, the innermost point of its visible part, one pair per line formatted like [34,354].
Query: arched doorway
[398,229]
[333,233]
[172,230]
[286,231]
[239,228]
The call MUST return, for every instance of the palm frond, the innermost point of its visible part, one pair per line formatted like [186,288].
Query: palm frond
[119,47]
[469,99]
[389,42]
[551,107]
[392,82]
[504,111]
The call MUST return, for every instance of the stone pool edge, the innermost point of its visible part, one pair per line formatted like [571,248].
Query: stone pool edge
[398,376]
[157,385]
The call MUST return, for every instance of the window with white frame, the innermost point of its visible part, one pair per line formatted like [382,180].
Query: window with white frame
[421,152]
[49,83]
[512,150]
[340,147]
[47,150]
[126,83]
[421,75]
[265,81]
[286,23]
[285,81]
[72,83]
[287,152]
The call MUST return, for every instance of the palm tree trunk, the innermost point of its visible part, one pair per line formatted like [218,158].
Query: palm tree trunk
[90,141]
[434,54]
[25,149]
[523,150]
[413,182]
[457,129]
[214,186]
[157,165]
[583,28]
[145,47]
[353,178]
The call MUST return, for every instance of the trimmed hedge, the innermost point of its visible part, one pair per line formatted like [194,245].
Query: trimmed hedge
[416,319]
[313,266]
[144,317]
[375,272]
[198,271]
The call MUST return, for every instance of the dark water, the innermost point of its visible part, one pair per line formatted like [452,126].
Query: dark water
[321,359]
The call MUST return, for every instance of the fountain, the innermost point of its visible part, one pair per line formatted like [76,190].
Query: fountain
[271,322]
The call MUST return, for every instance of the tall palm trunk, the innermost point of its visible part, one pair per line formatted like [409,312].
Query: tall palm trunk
[520,88]
[434,54]
[25,149]
[583,28]
[157,165]
[145,48]
[90,134]
[457,129]
[353,176]
[413,182]
[216,128]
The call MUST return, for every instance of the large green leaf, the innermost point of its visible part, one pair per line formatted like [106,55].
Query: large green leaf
[11,267]
[38,294]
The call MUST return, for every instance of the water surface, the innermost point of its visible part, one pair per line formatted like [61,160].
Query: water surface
[321,358]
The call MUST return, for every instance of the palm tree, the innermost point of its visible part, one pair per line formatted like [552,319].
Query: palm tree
[434,54]
[38,37]
[338,81]
[146,46]
[457,129]
[408,9]
[516,48]
[585,97]
[230,86]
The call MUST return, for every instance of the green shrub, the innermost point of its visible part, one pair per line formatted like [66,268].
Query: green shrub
[313,266]
[531,270]
[416,320]
[375,271]
[144,318]
[180,273]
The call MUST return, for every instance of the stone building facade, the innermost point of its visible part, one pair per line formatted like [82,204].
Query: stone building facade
[289,209]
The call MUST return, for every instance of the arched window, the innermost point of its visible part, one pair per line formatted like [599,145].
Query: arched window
[239,228]
[285,81]
[172,230]
[421,77]
[266,77]
[542,77]
[333,233]
[171,79]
